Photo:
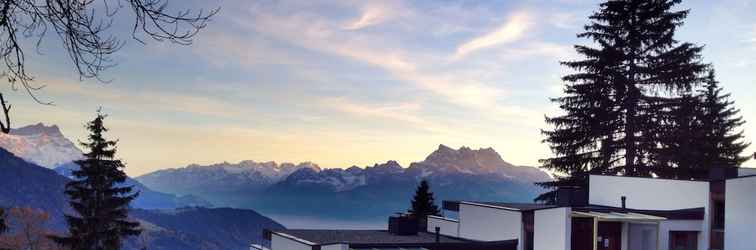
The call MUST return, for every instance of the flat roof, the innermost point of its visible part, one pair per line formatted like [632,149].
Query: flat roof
[678,214]
[363,236]
[454,205]
[368,239]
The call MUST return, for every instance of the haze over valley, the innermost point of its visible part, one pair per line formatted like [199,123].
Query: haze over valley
[303,194]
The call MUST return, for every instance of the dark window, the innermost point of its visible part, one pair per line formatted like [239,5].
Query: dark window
[683,240]
[718,215]
[529,241]
[582,233]
[528,220]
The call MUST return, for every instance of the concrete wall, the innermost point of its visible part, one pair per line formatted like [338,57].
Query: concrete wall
[746,171]
[683,225]
[448,226]
[479,222]
[654,194]
[740,214]
[648,193]
[335,247]
[552,229]
[638,236]
[278,242]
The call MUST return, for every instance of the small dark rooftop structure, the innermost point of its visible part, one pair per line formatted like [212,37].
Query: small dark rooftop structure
[383,239]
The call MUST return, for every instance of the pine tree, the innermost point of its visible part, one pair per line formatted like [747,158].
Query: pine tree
[3,227]
[722,144]
[679,155]
[611,99]
[423,204]
[98,196]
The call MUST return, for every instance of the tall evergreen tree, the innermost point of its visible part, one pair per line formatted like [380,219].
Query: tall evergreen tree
[423,204]
[3,227]
[611,98]
[723,141]
[98,196]
[679,154]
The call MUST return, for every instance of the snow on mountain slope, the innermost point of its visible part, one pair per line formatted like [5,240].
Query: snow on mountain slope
[445,164]
[40,144]
[250,176]
[46,146]
[242,176]
[484,161]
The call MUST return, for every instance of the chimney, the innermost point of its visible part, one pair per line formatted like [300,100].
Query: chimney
[403,224]
[722,173]
[624,202]
[571,197]
[438,234]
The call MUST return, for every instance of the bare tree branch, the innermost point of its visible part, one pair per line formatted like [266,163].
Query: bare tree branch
[82,27]
[5,126]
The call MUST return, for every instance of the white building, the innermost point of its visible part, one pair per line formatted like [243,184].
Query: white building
[621,213]
[615,213]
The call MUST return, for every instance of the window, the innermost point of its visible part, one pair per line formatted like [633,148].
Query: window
[683,240]
[718,215]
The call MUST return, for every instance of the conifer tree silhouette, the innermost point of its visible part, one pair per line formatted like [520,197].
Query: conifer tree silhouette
[611,99]
[97,195]
[423,203]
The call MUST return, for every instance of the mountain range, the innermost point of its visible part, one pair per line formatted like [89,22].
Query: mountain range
[46,146]
[26,184]
[23,184]
[294,191]
[40,144]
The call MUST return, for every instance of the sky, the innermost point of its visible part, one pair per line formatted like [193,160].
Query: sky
[344,83]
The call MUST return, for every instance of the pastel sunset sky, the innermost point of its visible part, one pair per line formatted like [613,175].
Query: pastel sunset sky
[344,83]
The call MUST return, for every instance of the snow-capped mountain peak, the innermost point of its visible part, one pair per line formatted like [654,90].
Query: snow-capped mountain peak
[446,160]
[41,144]
[39,128]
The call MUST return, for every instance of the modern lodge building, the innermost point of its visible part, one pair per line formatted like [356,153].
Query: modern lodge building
[616,213]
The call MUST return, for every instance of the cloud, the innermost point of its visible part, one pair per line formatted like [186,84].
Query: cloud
[509,32]
[403,114]
[564,20]
[372,14]
[321,35]
[472,85]
[148,100]
[399,112]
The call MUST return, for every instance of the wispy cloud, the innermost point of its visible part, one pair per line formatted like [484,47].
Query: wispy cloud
[374,13]
[565,20]
[148,100]
[396,112]
[322,35]
[509,32]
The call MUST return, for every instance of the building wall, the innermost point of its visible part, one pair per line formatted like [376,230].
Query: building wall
[448,227]
[489,224]
[335,247]
[683,225]
[740,213]
[746,171]
[653,194]
[552,229]
[648,193]
[278,242]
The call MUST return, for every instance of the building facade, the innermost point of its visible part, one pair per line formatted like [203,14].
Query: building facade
[616,213]
[621,213]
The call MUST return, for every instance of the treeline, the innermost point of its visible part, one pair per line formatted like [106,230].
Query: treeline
[639,102]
